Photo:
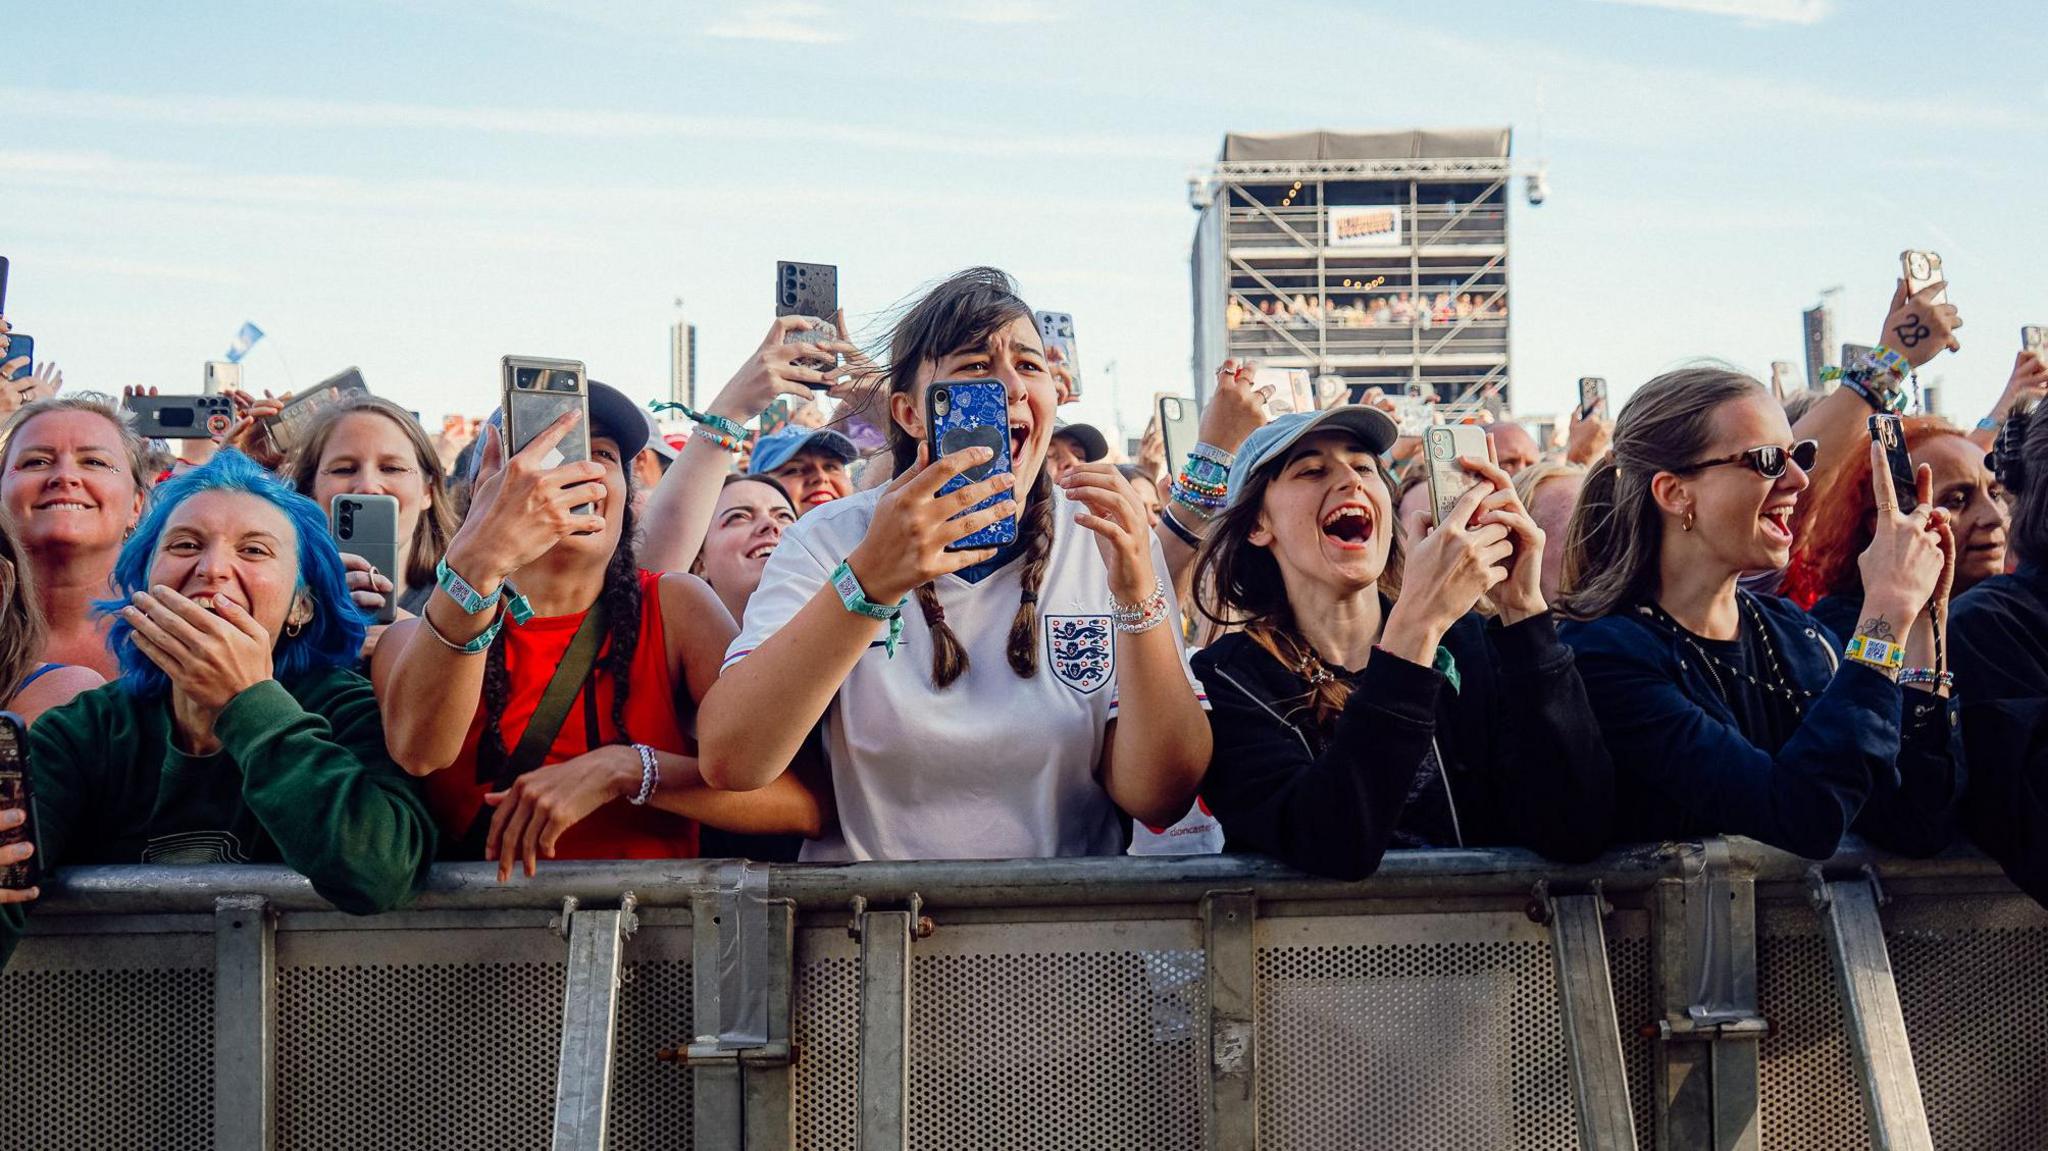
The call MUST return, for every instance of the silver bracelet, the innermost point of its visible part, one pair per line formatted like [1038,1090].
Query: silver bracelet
[650,775]
[1138,618]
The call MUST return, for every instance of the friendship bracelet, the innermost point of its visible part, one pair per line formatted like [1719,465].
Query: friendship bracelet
[716,438]
[1946,680]
[650,775]
[1205,469]
[1197,500]
[1141,617]
[701,419]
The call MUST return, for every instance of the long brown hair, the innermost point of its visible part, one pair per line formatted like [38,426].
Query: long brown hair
[1242,588]
[21,616]
[963,311]
[437,520]
[1617,531]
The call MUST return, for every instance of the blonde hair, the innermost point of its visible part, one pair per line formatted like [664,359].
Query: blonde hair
[103,406]
[1536,475]
[21,620]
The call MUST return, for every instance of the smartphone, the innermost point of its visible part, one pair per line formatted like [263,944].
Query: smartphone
[962,414]
[21,344]
[1443,447]
[289,426]
[1179,429]
[2034,338]
[1888,432]
[1293,390]
[3,285]
[16,792]
[1922,268]
[182,417]
[1592,397]
[367,526]
[537,393]
[1057,330]
[222,376]
[809,290]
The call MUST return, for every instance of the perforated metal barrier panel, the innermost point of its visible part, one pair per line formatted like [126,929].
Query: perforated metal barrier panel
[108,1043]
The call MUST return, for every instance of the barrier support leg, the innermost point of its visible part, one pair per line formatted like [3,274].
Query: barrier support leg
[590,1023]
[884,1026]
[1578,939]
[1870,1007]
[717,1102]
[1230,1029]
[244,1023]
[1704,958]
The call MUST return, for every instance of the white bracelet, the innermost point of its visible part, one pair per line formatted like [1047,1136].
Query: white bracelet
[1138,618]
[650,775]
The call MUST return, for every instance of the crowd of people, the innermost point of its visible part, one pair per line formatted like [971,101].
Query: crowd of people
[1391,309]
[1702,617]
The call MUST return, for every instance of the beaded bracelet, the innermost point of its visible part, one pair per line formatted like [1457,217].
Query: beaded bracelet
[1137,618]
[716,423]
[650,775]
[717,438]
[1883,655]
[1945,680]
[1205,469]
[1197,498]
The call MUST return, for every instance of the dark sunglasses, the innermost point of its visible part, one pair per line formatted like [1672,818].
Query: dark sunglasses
[1767,461]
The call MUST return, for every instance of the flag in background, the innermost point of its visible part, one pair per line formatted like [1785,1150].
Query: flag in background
[244,340]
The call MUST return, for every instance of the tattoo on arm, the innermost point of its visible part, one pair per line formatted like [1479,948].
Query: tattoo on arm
[1912,331]
[1876,628]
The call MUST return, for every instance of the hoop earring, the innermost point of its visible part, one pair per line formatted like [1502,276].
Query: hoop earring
[1687,525]
[293,629]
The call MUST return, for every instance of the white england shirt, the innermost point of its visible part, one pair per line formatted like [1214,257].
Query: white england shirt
[993,767]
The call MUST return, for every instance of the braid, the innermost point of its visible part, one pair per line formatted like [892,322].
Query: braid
[621,598]
[1037,526]
[490,748]
[949,659]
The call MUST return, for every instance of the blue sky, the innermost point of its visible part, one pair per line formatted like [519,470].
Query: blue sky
[419,188]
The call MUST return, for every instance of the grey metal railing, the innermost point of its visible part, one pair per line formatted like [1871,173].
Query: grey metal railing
[1681,996]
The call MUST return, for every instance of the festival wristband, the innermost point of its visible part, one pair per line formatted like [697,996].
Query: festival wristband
[1885,359]
[1946,680]
[1883,655]
[856,600]
[466,597]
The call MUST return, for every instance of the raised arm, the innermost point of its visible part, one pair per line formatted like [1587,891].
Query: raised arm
[427,684]
[2027,384]
[1917,328]
[679,511]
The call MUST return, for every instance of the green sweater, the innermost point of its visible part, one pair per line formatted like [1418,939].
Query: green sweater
[302,778]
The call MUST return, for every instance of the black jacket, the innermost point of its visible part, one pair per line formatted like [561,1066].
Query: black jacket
[1684,769]
[1999,649]
[1515,739]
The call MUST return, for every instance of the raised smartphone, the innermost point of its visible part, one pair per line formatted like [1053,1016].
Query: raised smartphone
[289,426]
[1922,268]
[537,393]
[367,525]
[3,285]
[1056,329]
[181,417]
[2034,338]
[1592,397]
[962,414]
[21,344]
[1443,446]
[16,792]
[809,290]
[1179,428]
[1890,434]
[222,376]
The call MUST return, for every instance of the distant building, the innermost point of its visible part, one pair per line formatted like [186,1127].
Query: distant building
[1379,259]
[682,363]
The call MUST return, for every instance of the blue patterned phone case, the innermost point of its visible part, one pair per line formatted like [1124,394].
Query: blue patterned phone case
[962,414]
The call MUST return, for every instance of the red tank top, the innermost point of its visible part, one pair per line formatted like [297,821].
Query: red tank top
[618,830]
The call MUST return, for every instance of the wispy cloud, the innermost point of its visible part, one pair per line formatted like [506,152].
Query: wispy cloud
[795,23]
[187,110]
[1751,11]
[1002,12]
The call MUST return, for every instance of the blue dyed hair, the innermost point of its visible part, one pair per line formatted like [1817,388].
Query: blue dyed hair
[332,638]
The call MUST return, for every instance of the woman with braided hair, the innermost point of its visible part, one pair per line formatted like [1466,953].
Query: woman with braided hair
[526,576]
[982,722]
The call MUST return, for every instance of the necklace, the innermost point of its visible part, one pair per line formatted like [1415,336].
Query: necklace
[1778,687]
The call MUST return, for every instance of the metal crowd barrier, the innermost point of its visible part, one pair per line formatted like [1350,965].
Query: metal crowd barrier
[1712,995]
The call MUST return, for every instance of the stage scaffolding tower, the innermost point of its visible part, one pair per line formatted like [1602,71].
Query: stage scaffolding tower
[1374,259]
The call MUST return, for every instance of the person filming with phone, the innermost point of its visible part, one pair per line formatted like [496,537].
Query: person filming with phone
[239,731]
[1729,713]
[574,667]
[983,646]
[1359,702]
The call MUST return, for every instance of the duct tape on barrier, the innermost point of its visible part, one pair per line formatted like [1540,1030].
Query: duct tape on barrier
[743,955]
[1721,977]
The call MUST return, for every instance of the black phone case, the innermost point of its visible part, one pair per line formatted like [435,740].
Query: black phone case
[368,526]
[1891,435]
[182,417]
[17,791]
[808,290]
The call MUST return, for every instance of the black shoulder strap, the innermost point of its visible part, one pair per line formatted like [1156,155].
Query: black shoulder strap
[553,708]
